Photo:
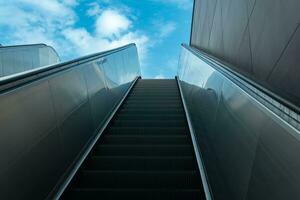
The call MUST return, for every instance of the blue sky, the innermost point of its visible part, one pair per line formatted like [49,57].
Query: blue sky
[80,27]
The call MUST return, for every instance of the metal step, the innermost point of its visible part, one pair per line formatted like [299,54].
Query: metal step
[145,153]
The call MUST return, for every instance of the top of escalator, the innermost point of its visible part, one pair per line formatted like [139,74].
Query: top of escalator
[40,72]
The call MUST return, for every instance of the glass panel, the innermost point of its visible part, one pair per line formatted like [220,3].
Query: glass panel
[21,58]
[46,124]
[249,151]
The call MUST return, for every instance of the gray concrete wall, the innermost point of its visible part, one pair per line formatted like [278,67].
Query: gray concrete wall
[260,38]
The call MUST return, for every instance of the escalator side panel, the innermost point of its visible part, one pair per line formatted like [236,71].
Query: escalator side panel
[46,124]
[250,149]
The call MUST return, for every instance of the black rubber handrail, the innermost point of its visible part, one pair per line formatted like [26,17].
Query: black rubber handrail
[220,66]
[29,76]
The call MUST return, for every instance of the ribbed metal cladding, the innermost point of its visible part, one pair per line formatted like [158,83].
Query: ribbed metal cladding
[260,39]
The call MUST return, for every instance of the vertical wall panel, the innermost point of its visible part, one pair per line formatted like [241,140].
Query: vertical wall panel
[287,68]
[216,43]
[255,36]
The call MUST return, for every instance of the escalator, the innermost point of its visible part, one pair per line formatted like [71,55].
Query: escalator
[145,153]
[90,128]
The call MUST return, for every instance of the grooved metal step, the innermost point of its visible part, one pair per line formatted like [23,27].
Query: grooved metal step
[143,150]
[145,153]
[141,163]
[135,194]
[153,98]
[157,102]
[151,111]
[146,139]
[148,130]
[162,116]
[153,106]
[139,179]
[149,123]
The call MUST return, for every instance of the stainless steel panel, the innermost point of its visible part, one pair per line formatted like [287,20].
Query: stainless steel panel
[35,170]
[20,58]
[287,68]
[97,92]
[29,138]
[47,122]
[216,34]
[76,130]
[272,25]
[249,150]
[72,110]
[68,87]
[8,59]
[26,116]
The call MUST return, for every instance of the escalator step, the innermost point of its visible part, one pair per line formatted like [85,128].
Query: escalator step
[145,153]
[164,116]
[136,194]
[148,130]
[153,106]
[139,179]
[158,94]
[149,123]
[165,98]
[141,163]
[143,150]
[156,90]
[152,102]
[151,111]
[146,139]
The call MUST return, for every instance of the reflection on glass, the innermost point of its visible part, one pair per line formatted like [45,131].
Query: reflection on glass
[249,152]
[46,125]
[20,58]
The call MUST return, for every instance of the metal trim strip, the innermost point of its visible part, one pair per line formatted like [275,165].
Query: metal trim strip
[64,185]
[205,183]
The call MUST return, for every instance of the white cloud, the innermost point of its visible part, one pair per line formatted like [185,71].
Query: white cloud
[21,18]
[85,43]
[49,8]
[81,39]
[113,30]
[163,29]
[36,22]
[112,23]
[166,29]
[172,64]
[71,2]
[94,9]
[182,4]
[159,76]
[53,22]
[141,40]
[33,13]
